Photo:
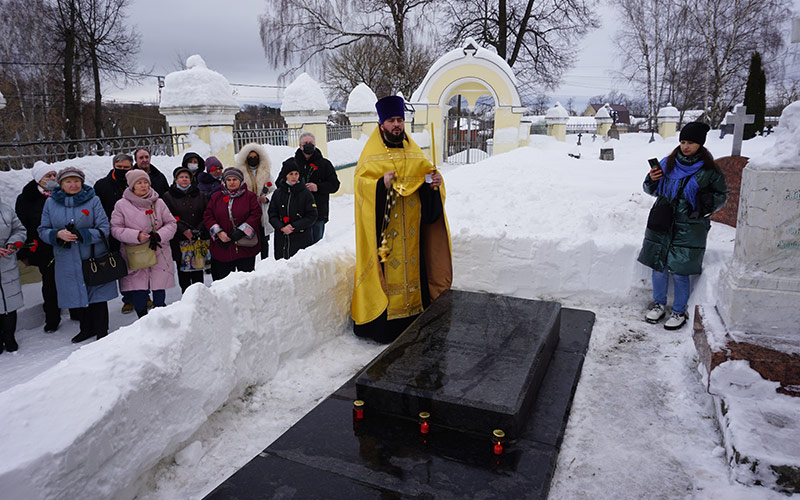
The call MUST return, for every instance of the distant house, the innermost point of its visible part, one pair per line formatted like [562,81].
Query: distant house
[623,115]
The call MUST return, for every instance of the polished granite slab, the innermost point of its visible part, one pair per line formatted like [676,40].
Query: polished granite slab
[328,456]
[474,361]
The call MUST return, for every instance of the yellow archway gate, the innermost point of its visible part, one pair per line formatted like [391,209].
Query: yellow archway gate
[472,72]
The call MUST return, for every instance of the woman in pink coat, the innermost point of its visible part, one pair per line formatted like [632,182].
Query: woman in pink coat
[139,217]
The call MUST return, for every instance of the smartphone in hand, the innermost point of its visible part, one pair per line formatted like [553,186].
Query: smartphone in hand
[653,162]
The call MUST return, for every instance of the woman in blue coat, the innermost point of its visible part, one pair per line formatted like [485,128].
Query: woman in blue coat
[689,187]
[72,220]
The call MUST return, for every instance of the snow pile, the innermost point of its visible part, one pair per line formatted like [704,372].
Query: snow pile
[196,86]
[346,151]
[761,424]
[557,111]
[304,94]
[134,398]
[786,154]
[361,100]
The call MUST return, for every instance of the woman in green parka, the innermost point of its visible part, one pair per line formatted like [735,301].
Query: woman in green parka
[691,187]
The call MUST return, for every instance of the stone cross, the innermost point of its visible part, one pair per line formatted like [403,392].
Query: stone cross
[739,118]
[579,138]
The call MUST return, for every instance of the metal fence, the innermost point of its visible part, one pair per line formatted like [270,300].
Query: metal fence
[336,132]
[17,154]
[468,139]
[276,135]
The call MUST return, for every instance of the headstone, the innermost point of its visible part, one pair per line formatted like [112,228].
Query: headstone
[579,138]
[474,361]
[607,154]
[613,132]
[739,118]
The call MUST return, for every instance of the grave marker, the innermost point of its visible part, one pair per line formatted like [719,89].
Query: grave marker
[739,118]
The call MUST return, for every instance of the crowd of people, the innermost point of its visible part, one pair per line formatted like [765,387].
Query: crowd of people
[209,219]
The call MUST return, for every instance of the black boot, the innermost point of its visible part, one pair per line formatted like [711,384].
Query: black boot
[81,336]
[9,328]
[141,313]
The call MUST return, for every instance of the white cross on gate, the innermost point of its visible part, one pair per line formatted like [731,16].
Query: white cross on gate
[739,118]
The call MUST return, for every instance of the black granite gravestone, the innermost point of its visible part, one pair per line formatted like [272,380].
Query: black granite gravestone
[473,360]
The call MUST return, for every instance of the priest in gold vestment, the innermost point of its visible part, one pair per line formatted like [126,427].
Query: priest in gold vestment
[403,250]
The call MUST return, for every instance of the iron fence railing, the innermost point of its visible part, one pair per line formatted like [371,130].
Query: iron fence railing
[17,154]
[336,132]
[276,135]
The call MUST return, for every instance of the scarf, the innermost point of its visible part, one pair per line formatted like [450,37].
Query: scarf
[234,194]
[146,202]
[670,184]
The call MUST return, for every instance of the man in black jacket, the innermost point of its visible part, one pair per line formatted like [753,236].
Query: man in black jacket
[157,180]
[319,176]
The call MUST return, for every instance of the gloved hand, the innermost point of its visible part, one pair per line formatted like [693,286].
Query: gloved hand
[71,228]
[155,240]
[705,203]
[237,234]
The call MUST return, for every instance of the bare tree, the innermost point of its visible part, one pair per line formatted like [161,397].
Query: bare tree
[111,46]
[296,33]
[538,39]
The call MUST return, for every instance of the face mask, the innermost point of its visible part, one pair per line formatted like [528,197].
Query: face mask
[309,148]
[50,185]
[191,166]
[119,174]
[252,161]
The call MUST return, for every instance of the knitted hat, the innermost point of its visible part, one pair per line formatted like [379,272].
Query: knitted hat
[133,176]
[179,170]
[233,172]
[695,132]
[40,169]
[70,172]
[390,106]
[213,163]
[288,167]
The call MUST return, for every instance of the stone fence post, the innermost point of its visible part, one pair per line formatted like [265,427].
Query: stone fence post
[668,117]
[305,105]
[361,109]
[556,120]
[200,102]
[603,120]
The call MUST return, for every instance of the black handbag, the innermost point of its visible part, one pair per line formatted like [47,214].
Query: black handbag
[105,269]
[660,218]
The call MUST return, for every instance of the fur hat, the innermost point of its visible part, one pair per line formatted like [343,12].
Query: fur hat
[135,175]
[695,132]
[212,162]
[389,106]
[40,169]
[232,172]
[70,172]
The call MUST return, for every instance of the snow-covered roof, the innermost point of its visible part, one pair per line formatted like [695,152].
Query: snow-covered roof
[304,94]
[557,111]
[361,100]
[469,52]
[603,112]
[669,111]
[196,86]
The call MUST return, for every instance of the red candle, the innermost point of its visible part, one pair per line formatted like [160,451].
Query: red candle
[498,449]
[497,438]
[358,410]
[424,428]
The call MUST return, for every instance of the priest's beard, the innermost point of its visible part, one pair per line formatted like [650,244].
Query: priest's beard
[392,138]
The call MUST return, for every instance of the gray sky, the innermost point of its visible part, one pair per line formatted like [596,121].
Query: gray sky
[225,34]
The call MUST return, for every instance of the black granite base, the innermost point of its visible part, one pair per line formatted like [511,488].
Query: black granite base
[327,455]
[474,361]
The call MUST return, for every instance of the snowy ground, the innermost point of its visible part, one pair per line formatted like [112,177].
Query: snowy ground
[530,223]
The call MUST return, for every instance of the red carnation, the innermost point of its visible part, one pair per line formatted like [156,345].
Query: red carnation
[85,212]
[177,219]
[226,199]
[35,245]
[314,166]
[18,244]
[269,184]
[286,220]
[148,212]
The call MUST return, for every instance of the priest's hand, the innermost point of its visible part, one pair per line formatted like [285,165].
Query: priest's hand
[436,180]
[387,179]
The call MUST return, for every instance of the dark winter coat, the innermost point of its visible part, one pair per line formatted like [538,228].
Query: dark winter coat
[208,184]
[297,204]
[11,232]
[188,207]
[324,176]
[680,250]
[86,212]
[29,206]
[157,180]
[245,209]
[109,190]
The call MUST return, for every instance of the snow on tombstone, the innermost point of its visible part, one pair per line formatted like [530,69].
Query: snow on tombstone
[199,102]
[305,106]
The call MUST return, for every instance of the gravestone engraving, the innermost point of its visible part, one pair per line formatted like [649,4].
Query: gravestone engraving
[739,119]
[607,154]
[474,361]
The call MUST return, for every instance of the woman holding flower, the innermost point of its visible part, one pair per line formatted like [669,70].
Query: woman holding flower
[292,212]
[12,236]
[142,217]
[232,217]
[72,220]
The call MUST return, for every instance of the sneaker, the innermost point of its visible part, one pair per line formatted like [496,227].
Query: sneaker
[655,314]
[149,304]
[675,321]
[127,308]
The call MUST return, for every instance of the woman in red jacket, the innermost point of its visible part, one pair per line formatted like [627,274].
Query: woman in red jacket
[232,218]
